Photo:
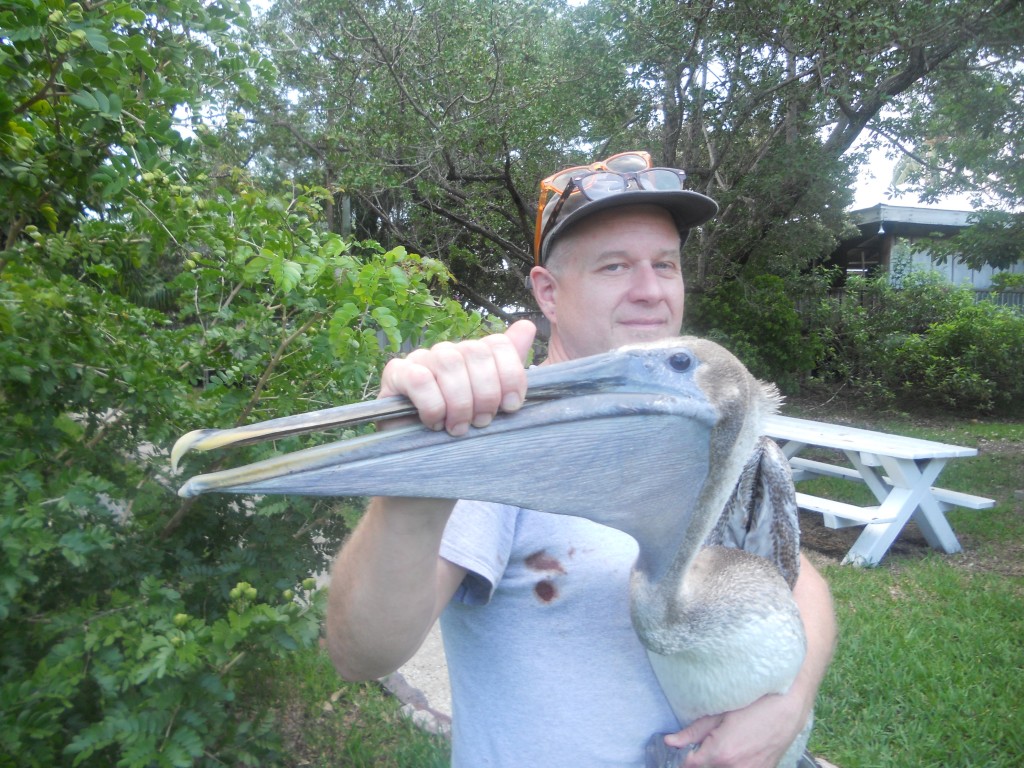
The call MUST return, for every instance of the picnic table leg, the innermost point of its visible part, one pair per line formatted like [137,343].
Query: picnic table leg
[791,447]
[898,506]
[869,473]
[929,515]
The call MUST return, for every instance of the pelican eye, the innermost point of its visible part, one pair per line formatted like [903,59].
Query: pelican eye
[680,361]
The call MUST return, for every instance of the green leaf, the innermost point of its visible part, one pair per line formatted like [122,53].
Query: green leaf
[345,314]
[69,426]
[86,99]
[334,246]
[102,102]
[20,373]
[286,274]
[113,110]
[384,317]
[22,34]
[50,215]
[97,40]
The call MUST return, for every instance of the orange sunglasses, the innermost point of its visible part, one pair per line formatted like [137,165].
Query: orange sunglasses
[556,184]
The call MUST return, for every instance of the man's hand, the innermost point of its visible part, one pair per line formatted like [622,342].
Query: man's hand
[754,737]
[454,386]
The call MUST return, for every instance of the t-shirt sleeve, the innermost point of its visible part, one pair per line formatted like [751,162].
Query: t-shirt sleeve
[478,537]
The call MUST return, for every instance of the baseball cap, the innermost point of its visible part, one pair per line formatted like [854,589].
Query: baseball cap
[627,178]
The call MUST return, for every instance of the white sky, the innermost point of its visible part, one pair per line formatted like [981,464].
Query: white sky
[872,188]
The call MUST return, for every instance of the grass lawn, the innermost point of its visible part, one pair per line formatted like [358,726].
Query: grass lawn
[930,665]
[929,670]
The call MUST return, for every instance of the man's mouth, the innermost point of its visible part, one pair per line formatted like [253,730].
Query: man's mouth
[644,323]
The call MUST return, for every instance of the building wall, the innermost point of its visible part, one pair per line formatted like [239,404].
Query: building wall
[960,274]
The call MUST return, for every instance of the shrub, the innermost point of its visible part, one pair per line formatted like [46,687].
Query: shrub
[147,290]
[135,625]
[925,342]
[1007,282]
[971,360]
[757,321]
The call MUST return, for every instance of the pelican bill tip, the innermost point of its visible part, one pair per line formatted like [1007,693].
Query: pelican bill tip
[189,490]
[186,443]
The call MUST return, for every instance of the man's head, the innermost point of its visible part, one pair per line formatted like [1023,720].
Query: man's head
[614,278]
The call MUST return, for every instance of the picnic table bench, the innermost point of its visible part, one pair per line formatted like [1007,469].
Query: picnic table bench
[900,472]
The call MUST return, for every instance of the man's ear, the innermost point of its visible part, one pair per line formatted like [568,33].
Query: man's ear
[545,291]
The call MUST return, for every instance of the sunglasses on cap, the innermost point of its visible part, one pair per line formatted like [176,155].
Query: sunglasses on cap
[598,181]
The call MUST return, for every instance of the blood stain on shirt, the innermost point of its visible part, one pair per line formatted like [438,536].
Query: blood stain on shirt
[546,590]
[542,561]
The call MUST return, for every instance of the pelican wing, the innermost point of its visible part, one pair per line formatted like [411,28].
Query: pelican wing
[761,516]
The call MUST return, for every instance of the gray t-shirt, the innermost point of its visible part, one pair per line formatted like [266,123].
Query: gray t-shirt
[545,666]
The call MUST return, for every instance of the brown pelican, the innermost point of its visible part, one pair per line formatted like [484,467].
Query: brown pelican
[665,441]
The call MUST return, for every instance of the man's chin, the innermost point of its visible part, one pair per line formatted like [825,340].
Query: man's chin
[630,334]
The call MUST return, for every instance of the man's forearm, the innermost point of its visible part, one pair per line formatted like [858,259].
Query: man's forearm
[814,600]
[384,592]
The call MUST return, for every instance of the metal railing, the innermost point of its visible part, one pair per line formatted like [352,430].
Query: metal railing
[1013,299]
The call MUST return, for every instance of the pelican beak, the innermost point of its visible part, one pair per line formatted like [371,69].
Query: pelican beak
[608,423]
[611,372]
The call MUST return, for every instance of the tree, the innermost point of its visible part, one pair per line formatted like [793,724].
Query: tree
[993,238]
[438,119]
[90,100]
[449,112]
[144,293]
[764,103]
[965,134]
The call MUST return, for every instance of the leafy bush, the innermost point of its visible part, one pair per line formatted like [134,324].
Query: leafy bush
[1007,281]
[972,360]
[146,290]
[925,342]
[135,623]
[757,321]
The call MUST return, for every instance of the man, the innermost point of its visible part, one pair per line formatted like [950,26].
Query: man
[544,664]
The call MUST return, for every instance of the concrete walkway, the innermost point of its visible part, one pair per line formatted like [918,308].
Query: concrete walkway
[422,686]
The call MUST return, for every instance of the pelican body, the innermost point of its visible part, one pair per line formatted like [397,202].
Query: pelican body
[664,442]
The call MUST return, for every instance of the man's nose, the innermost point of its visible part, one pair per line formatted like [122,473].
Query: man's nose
[646,285]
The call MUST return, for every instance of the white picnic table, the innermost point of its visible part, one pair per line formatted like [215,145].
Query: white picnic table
[900,471]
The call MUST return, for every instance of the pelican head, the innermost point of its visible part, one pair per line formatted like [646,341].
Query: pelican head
[641,430]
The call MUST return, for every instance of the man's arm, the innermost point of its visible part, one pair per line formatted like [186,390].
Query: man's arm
[389,584]
[757,736]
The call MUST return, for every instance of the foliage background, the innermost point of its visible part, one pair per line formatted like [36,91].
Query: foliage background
[207,219]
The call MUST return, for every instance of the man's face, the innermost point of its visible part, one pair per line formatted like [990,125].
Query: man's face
[614,279]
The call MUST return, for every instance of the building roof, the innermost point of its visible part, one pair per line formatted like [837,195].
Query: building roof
[880,226]
[909,221]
